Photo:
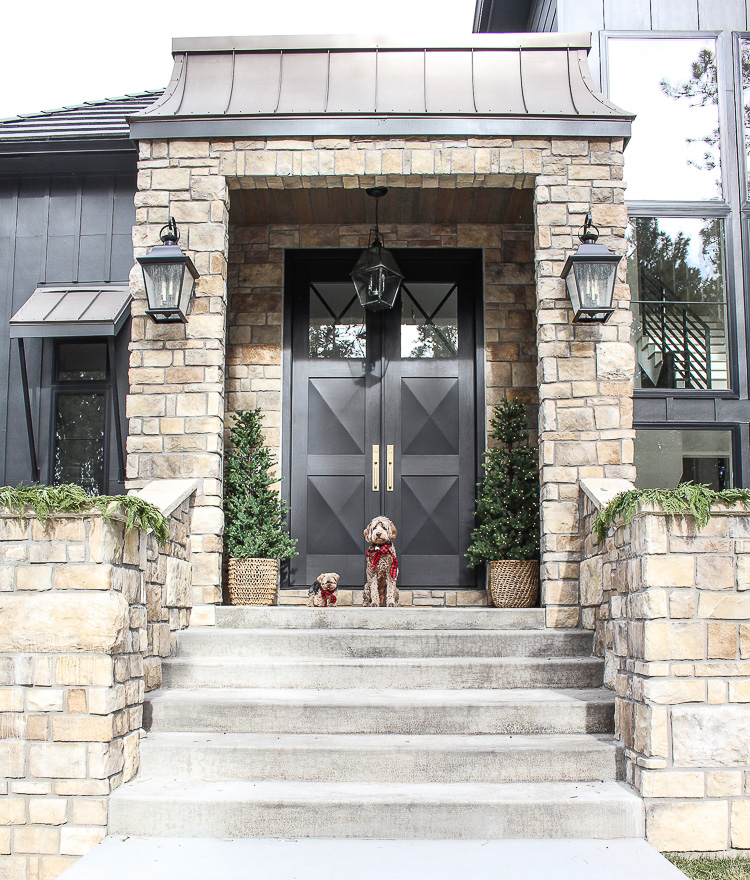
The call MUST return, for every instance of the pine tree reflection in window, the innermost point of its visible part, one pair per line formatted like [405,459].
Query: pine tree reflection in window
[676,273]
[80,416]
[337,322]
[79,441]
[670,84]
[429,321]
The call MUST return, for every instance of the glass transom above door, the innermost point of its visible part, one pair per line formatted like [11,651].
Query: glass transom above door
[429,320]
[337,321]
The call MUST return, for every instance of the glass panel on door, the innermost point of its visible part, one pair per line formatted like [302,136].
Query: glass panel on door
[429,320]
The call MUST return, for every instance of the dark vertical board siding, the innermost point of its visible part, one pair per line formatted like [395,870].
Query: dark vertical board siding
[59,229]
[8,205]
[543,15]
[550,23]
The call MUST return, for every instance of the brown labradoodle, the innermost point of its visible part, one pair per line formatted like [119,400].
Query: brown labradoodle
[323,591]
[382,564]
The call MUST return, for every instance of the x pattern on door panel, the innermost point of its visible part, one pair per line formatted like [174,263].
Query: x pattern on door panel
[336,417]
[429,416]
[429,511]
[335,509]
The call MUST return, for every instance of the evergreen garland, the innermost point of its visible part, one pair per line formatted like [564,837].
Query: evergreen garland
[508,501]
[687,498]
[46,501]
[254,511]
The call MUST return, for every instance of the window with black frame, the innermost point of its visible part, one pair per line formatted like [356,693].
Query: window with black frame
[676,273]
[80,407]
[665,458]
[671,84]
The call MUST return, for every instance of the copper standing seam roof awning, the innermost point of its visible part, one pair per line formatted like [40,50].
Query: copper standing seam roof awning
[487,84]
[69,310]
[72,311]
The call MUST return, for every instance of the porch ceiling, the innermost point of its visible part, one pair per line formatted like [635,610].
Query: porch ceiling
[403,205]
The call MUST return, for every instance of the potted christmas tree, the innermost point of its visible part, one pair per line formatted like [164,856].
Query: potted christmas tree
[507,533]
[254,535]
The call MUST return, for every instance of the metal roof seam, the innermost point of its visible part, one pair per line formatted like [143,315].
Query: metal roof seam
[328,82]
[473,84]
[231,86]
[281,80]
[520,76]
[570,86]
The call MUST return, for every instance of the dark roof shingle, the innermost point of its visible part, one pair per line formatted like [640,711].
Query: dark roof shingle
[92,119]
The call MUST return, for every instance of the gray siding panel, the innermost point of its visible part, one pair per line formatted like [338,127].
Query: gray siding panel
[725,15]
[581,15]
[674,15]
[633,15]
[62,229]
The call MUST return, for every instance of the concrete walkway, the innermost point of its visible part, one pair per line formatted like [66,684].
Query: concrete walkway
[163,858]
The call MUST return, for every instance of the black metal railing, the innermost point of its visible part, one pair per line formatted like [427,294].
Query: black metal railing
[681,335]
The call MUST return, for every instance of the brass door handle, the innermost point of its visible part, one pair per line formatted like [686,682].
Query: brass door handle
[375,468]
[389,469]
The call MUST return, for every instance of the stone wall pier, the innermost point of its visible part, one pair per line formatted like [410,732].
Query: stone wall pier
[87,611]
[670,606]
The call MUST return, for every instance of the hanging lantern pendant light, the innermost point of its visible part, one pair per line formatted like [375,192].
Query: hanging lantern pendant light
[377,279]
[169,276]
[589,276]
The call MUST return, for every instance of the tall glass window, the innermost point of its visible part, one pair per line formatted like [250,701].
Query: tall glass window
[80,395]
[671,84]
[676,273]
[666,458]
[745,86]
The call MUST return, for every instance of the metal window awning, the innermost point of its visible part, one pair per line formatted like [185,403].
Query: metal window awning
[73,312]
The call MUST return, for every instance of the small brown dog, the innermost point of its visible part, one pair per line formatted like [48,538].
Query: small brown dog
[382,564]
[323,591]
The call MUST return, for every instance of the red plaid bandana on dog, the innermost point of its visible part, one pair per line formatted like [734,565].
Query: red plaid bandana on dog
[375,554]
[329,596]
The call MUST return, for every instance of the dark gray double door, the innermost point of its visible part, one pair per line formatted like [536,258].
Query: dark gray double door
[382,417]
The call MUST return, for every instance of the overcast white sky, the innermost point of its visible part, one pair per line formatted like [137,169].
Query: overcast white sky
[59,52]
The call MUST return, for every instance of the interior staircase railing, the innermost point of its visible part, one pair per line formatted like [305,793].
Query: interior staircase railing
[681,335]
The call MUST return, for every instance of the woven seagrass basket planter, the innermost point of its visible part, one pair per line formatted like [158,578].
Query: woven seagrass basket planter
[253,581]
[513,583]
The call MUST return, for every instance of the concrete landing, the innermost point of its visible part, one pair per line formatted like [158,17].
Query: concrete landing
[162,858]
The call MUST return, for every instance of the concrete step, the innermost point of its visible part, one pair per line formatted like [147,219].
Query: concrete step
[379,757]
[409,712]
[463,811]
[427,672]
[180,858]
[279,617]
[370,644]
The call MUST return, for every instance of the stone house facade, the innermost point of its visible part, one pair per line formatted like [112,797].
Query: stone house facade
[489,188]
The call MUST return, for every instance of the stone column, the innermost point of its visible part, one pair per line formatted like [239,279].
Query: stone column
[585,372]
[176,402]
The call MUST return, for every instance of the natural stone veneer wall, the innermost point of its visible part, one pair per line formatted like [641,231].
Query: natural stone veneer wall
[671,610]
[86,613]
[176,404]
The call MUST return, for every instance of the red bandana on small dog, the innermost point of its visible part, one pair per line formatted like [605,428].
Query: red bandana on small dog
[375,554]
[328,595]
